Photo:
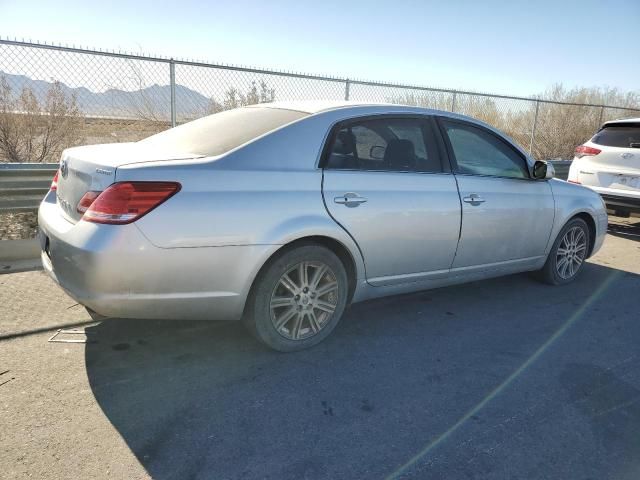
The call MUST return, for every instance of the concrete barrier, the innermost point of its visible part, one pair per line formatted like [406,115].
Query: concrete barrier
[19,255]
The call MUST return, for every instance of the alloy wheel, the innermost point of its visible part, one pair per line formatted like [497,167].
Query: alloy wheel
[303,300]
[571,252]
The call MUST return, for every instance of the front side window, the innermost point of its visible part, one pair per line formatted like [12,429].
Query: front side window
[393,144]
[478,152]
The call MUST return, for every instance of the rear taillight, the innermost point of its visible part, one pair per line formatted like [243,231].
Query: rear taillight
[87,200]
[54,182]
[584,151]
[126,202]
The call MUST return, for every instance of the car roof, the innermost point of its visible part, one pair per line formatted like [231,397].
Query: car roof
[348,108]
[318,106]
[622,121]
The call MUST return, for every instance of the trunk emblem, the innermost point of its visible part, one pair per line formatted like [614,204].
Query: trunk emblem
[103,172]
[66,206]
[64,168]
[626,155]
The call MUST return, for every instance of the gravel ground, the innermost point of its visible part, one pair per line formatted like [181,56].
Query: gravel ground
[502,379]
[17,226]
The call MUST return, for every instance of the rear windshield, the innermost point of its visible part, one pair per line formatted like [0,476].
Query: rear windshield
[619,136]
[221,132]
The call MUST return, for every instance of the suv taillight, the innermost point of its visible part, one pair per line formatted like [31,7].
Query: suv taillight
[585,151]
[54,182]
[125,202]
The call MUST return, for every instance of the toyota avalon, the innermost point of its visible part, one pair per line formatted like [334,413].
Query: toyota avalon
[282,214]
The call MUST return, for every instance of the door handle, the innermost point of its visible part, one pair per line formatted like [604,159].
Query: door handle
[350,199]
[474,199]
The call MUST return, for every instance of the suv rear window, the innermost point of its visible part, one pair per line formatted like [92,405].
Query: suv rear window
[624,136]
[221,132]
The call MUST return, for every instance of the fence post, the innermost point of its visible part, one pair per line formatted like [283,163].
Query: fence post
[347,87]
[601,116]
[172,83]
[453,101]
[533,127]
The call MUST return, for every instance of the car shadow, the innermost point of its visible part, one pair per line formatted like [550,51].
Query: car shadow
[628,229]
[205,400]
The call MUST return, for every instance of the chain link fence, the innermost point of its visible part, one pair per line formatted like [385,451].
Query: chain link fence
[53,97]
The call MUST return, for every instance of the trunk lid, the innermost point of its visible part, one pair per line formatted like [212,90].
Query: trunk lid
[93,168]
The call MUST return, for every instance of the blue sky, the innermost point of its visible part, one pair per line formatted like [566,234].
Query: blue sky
[510,47]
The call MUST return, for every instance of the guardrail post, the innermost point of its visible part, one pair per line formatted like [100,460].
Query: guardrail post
[172,83]
[533,127]
[347,87]
[453,101]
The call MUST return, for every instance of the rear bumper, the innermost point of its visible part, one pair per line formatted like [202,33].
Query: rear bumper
[115,271]
[619,199]
[620,202]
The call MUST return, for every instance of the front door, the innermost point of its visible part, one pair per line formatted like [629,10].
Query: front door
[506,215]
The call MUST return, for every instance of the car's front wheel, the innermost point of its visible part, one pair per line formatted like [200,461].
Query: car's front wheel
[298,298]
[568,253]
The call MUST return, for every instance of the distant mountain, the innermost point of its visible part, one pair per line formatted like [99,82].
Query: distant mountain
[154,99]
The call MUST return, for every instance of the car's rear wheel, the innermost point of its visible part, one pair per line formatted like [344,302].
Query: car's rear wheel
[568,253]
[298,298]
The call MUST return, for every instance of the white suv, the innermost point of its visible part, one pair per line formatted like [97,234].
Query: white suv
[609,163]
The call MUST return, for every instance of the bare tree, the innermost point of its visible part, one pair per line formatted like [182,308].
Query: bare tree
[437,100]
[560,128]
[233,98]
[144,106]
[33,130]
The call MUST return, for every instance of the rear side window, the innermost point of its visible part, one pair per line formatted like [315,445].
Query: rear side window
[388,144]
[625,136]
[478,152]
[221,132]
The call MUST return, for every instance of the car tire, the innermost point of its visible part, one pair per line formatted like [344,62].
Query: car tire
[567,255]
[297,299]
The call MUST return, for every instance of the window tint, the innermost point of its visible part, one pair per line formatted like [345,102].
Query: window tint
[396,144]
[366,139]
[624,136]
[478,152]
[414,135]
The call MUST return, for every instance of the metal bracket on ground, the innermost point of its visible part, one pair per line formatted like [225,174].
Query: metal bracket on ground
[62,332]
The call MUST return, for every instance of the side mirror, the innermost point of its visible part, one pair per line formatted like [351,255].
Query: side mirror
[377,152]
[543,170]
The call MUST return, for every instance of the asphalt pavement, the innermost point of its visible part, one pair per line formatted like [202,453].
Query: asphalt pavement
[501,379]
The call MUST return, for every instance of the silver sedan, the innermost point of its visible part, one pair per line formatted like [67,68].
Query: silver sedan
[283,214]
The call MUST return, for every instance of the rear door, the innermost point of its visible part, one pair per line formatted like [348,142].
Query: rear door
[384,182]
[506,215]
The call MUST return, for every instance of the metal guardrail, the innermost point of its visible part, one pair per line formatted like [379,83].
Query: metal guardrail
[561,167]
[24,185]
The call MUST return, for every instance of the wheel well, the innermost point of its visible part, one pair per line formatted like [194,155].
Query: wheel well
[335,246]
[592,228]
